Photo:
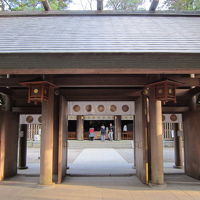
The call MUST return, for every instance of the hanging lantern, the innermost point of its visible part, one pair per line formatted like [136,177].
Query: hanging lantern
[2,100]
[38,91]
[164,90]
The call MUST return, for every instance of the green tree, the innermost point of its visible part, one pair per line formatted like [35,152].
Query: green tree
[124,4]
[15,5]
[182,4]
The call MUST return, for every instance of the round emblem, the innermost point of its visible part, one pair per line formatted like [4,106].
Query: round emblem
[113,108]
[125,108]
[29,119]
[36,91]
[101,108]
[173,117]
[76,108]
[88,108]
[40,119]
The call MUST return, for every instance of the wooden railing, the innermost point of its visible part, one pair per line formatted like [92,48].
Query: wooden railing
[167,131]
[33,129]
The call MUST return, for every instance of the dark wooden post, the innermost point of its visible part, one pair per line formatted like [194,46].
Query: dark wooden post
[46,150]
[178,148]
[9,128]
[62,154]
[80,127]
[155,109]
[134,148]
[141,143]
[22,147]
[118,129]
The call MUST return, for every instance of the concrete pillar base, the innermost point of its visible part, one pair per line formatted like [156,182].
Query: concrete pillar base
[23,167]
[156,186]
[178,167]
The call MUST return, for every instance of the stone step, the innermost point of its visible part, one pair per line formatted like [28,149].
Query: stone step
[124,144]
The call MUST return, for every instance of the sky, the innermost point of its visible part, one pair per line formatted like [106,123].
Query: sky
[84,5]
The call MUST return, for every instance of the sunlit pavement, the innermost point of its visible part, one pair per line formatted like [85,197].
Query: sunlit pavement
[98,162]
[177,187]
[107,184]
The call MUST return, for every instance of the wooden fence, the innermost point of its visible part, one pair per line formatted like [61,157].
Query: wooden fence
[33,129]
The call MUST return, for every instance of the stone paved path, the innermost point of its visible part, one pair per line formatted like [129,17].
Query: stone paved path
[177,187]
[91,161]
[100,162]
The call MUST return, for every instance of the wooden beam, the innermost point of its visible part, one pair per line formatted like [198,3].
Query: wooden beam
[107,80]
[100,63]
[27,110]
[5,91]
[101,71]
[101,81]
[175,109]
[99,93]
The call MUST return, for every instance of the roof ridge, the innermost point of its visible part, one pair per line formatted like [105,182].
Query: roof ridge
[98,13]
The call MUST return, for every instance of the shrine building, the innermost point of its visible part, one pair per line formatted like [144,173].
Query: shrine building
[68,71]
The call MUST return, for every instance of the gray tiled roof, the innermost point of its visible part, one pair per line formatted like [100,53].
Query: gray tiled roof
[100,34]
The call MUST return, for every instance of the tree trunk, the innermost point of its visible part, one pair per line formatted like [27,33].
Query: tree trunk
[46,5]
[2,5]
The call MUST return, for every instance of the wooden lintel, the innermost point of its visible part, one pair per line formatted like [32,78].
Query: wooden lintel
[173,109]
[107,80]
[101,71]
[5,91]
[27,110]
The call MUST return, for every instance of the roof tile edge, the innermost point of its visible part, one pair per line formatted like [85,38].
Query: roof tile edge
[97,13]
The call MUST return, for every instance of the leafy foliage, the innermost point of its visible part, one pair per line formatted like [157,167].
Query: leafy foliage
[16,5]
[182,4]
[124,4]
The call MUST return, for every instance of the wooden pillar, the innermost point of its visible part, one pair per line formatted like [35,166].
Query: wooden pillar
[9,128]
[55,138]
[155,109]
[22,147]
[191,130]
[178,147]
[118,129]
[46,150]
[141,136]
[62,154]
[134,147]
[80,127]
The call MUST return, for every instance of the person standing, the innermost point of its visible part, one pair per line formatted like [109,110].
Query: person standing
[125,129]
[110,132]
[103,133]
[91,134]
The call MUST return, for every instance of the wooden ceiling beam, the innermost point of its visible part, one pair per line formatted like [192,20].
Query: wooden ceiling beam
[100,81]
[175,109]
[27,110]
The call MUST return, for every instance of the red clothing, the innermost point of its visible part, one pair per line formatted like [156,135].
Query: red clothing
[91,130]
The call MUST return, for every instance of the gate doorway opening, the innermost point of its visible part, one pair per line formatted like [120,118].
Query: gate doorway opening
[29,145]
[96,124]
[173,144]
